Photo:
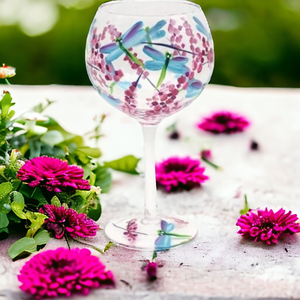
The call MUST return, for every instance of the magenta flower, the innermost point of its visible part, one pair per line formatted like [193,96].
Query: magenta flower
[266,226]
[177,173]
[224,122]
[63,272]
[53,174]
[206,154]
[62,220]
[151,269]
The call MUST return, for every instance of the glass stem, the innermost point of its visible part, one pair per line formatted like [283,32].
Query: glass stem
[151,210]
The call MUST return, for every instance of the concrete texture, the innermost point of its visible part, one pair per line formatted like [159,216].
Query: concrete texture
[218,263]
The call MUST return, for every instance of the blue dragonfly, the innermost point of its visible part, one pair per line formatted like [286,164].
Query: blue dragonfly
[135,35]
[163,242]
[201,28]
[132,37]
[194,89]
[155,32]
[164,62]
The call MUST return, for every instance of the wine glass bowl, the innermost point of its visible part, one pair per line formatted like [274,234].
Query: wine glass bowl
[149,59]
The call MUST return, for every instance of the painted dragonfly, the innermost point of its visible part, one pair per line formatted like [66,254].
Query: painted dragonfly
[201,28]
[163,242]
[164,62]
[135,35]
[194,89]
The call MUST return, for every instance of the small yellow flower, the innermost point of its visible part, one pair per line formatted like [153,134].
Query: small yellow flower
[7,71]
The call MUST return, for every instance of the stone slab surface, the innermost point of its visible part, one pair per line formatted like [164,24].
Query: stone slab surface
[218,263]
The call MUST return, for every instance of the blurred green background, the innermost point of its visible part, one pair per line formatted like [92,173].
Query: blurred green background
[257,43]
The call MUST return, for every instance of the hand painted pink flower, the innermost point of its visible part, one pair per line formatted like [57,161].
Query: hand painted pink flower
[151,269]
[131,230]
[53,174]
[177,173]
[7,71]
[62,221]
[224,122]
[266,226]
[63,272]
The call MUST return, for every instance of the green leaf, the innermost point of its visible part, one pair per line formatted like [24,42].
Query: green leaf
[5,189]
[41,237]
[55,201]
[94,209]
[93,152]
[5,105]
[37,220]
[3,220]
[13,217]
[103,178]
[110,243]
[34,193]
[125,164]
[18,204]
[35,148]
[23,246]
[52,137]
[246,208]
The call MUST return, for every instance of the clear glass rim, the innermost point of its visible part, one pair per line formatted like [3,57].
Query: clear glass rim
[104,6]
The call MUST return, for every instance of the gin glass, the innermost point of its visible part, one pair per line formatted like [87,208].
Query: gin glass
[149,59]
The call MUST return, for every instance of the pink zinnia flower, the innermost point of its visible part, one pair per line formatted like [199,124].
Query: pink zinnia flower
[179,173]
[151,269]
[224,122]
[267,226]
[63,272]
[53,174]
[62,220]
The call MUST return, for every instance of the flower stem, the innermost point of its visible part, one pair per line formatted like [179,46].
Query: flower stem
[6,81]
[66,238]
[212,164]
[161,232]
[86,244]
[150,208]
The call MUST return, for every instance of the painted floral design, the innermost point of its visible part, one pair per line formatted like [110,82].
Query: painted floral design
[172,60]
[63,272]
[131,229]
[224,122]
[267,226]
[176,173]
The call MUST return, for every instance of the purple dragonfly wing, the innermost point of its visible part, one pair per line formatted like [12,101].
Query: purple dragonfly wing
[200,27]
[163,242]
[157,27]
[153,53]
[136,39]
[114,54]
[177,65]
[109,48]
[154,65]
[194,89]
[166,227]
[132,32]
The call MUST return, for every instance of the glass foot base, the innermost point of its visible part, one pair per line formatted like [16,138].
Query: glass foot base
[160,234]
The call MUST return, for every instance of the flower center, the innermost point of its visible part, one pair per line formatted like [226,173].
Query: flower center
[221,119]
[263,223]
